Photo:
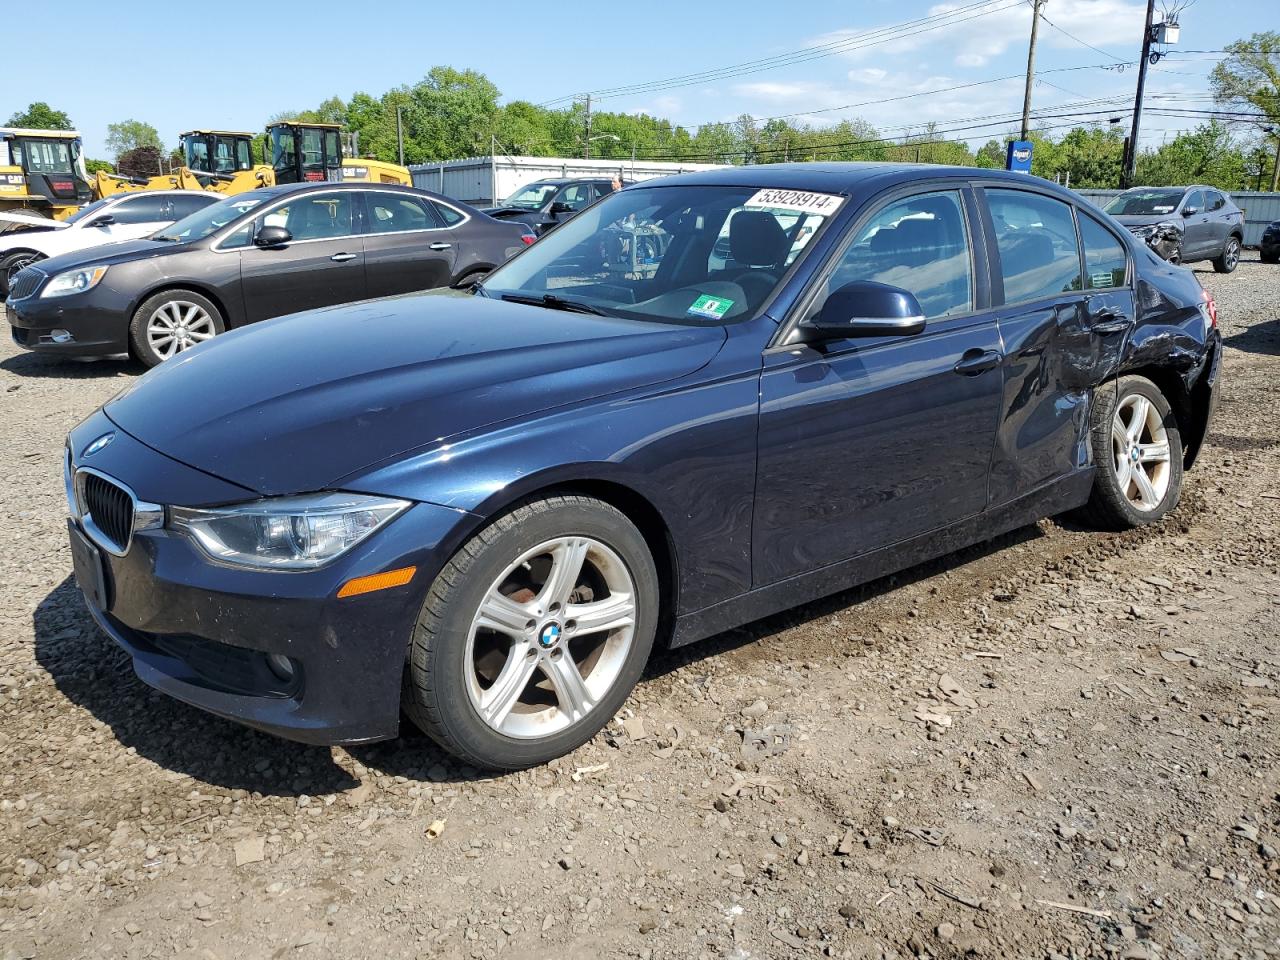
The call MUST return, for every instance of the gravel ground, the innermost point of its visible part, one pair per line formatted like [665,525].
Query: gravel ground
[1058,745]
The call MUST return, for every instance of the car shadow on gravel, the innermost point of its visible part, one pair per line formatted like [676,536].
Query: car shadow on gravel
[44,367]
[90,670]
[1263,338]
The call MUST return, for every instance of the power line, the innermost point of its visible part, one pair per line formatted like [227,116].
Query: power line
[1072,36]
[860,41]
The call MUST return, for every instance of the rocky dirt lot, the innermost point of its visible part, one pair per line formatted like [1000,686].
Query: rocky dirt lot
[1059,745]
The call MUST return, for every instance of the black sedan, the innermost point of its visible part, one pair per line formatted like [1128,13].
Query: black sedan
[544,204]
[489,509]
[1184,224]
[252,257]
[1269,247]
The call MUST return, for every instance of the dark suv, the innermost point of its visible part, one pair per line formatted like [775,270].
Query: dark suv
[1184,224]
[544,204]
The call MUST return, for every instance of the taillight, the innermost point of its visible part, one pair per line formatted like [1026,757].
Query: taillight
[527,238]
[1210,306]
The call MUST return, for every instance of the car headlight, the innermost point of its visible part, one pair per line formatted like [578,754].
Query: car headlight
[1153,229]
[286,533]
[74,281]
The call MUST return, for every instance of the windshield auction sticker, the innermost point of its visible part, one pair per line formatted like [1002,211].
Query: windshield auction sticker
[799,201]
[713,308]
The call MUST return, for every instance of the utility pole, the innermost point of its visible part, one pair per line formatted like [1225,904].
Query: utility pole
[1131,156]
[586,147]
[1031,67]
[399,136]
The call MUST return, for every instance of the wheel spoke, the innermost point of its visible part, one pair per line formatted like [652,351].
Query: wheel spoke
[199,335]
[1138,423]
[1124,475]
[612,613]
[504,615]
[571,690]
[567,558]
[1146,492]
[505,691]
[1153,452]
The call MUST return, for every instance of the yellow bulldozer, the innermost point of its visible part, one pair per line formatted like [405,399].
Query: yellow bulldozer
[217,160]
[42,174]
[314,153]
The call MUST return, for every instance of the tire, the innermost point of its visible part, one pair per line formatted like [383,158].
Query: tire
[11,263]
[1270,257]
[498,697]
[188,317]
[1230,257]
[1119,499]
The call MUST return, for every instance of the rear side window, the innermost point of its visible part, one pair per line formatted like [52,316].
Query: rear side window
[185,206]
[920,244]
[1216,200]
[1105,260]
[446,213]
[144,208]
[1036,237]
[391,214]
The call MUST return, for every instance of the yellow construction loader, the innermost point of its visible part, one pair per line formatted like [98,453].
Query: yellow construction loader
[217,160]
[313,153]
[42,174]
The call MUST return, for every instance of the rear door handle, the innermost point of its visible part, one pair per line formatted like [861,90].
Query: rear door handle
[975,362]
[342,257]
[1107,321]
[438,245]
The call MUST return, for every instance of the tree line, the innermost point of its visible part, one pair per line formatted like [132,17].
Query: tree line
[453,113]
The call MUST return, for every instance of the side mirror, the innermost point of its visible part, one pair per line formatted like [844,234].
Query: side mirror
[1190,211]
[272,238]
[560,207]
[866,309]
[105,220]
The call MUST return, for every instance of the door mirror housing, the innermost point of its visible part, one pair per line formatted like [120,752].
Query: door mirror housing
[272,238]
[105,220]
[1190,211]
[560,207]
[866,309]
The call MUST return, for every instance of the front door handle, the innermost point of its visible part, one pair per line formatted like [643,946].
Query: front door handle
[439,245]
[976,361]
[342,257]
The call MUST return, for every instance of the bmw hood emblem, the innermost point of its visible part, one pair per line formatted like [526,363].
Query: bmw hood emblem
[100,444]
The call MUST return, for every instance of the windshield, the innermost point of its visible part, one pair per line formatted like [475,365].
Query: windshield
[1144,203]
[532,197]
[695,255]
[213,217]
[48,156]
[85,212]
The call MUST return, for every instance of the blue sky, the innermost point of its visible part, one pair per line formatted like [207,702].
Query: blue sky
[234,64]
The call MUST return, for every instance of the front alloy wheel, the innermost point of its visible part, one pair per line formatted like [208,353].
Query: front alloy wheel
[171,322]
[1230,257]
[534,633]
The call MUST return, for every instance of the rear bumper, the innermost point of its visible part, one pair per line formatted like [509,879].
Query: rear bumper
[204,632]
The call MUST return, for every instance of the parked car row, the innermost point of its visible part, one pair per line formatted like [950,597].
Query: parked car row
[251,257]
[699,401]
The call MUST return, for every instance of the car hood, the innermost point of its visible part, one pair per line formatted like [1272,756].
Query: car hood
[294,404]
[1134,220]
[109,253]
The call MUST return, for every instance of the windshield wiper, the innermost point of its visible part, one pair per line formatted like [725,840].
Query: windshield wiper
[552,302]
[165,238]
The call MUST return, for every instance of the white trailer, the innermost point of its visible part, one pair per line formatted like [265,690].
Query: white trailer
[481,181]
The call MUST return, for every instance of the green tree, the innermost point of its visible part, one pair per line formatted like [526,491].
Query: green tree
[94,166]
[1249,77]
[1207,154]
[130,135]
[142,162]
[1089,158]
[41,116]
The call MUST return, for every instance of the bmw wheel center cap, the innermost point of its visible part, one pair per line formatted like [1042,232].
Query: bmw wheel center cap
[549,636]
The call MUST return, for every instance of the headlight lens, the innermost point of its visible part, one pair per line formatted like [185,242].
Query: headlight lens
[74,281]
[286,533]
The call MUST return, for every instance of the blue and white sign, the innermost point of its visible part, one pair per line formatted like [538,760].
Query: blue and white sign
[1018,156]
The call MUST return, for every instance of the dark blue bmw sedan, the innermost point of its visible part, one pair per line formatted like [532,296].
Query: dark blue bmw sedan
[702,400]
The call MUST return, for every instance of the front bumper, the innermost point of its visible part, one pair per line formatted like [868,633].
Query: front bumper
[202,632]
[95,327]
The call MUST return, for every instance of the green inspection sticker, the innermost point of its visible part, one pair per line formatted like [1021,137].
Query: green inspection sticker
[713,308]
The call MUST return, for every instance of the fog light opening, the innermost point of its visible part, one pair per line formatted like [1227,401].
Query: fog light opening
[281,666]
[58,336]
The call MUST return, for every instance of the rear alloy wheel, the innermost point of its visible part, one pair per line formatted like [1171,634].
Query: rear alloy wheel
[1230,257]
[11,264]
[534,634]
[1138,454]
[173,321]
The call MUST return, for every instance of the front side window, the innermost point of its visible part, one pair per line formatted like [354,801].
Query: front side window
[646,253]
[919,244]
[1105,259]
[392,214]
[1194,202]
[1036,237]
[316,216]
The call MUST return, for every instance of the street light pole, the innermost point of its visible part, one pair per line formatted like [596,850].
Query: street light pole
[1131,156]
